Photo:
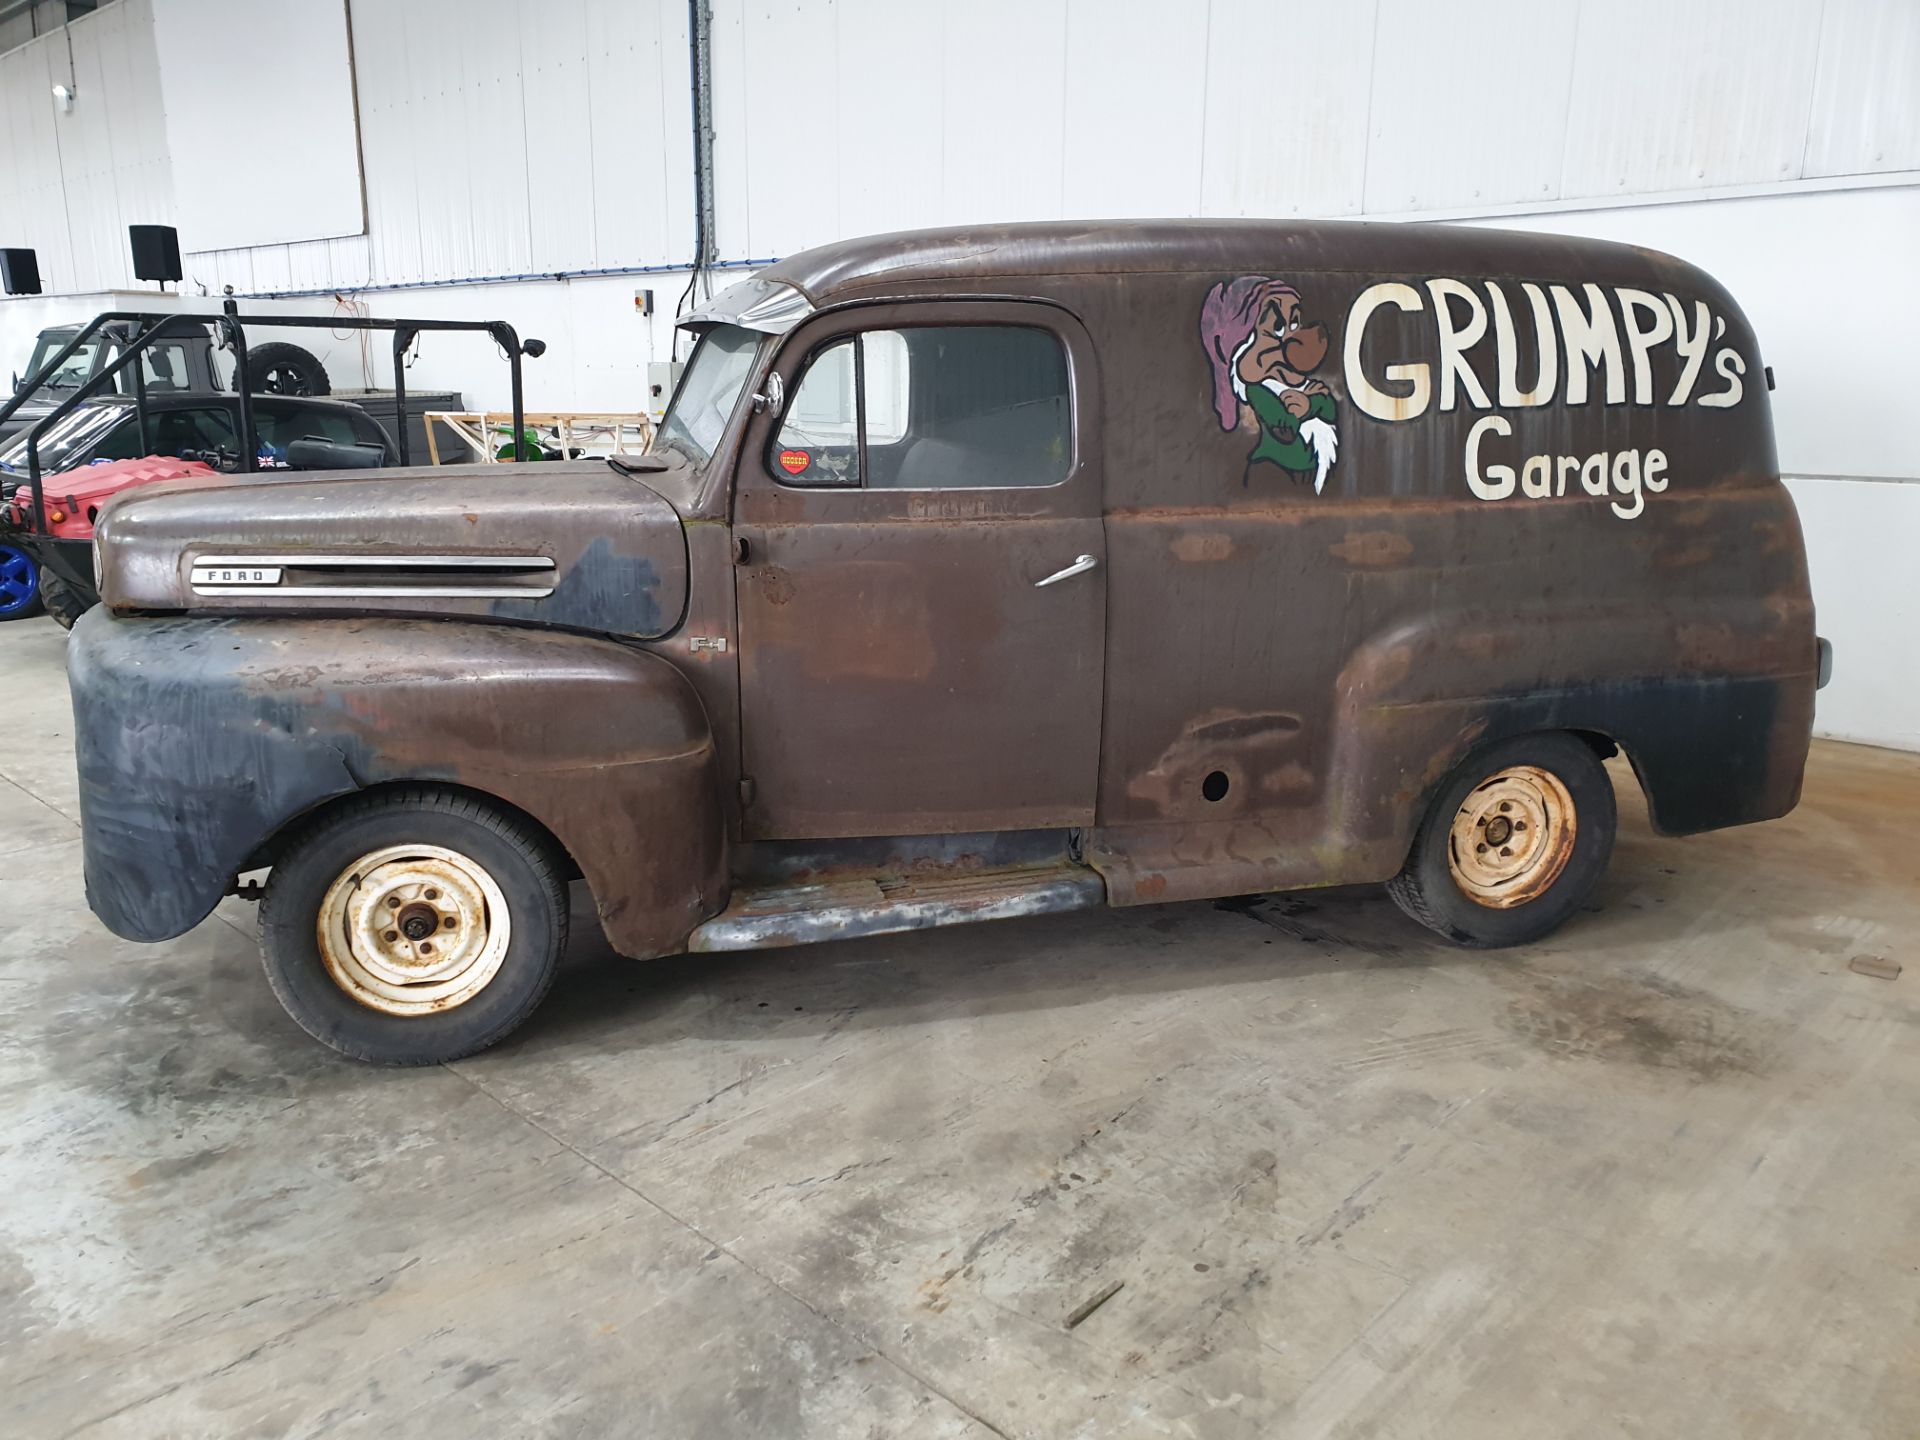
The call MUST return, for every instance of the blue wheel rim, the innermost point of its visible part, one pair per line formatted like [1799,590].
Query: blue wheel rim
[19,581]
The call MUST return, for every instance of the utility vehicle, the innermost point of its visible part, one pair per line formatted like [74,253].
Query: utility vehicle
[978,573]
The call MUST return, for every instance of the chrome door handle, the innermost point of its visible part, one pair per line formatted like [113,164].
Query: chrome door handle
[1079,567]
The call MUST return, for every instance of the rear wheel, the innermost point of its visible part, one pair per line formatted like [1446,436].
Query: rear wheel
[413,926]
[1513,843]
[19,584]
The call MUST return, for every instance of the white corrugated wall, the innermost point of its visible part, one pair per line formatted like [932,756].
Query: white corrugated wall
[1776,142]
[72,182]
[513,137]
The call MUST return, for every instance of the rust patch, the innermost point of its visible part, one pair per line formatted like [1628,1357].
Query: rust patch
[776,584]
[1379,670]
[1292,781]
[1374,549]
[1701,552]
[1483,644]
[1237,745]
[933,1290]
[1203,548]
[958,505]
[1244,727]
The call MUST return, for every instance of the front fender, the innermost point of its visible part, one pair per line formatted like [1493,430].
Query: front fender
[199,740]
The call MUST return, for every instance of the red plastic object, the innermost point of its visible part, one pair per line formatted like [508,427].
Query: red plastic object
[78,495]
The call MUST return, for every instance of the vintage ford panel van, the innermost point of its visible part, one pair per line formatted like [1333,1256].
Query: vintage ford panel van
[978,573]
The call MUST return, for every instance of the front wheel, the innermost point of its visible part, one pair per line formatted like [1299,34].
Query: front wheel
[1514,842]
[414,926]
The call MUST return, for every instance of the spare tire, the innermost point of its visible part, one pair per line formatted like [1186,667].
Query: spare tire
[281,369]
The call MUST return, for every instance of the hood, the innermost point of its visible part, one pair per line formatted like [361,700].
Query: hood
[35,408]
[575,544]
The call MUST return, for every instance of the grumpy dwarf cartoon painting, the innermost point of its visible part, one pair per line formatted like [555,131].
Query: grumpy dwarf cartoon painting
[1264,350]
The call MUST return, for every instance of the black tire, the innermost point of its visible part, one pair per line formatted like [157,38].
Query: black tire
[1426,887]
[281,369]
[519,860]
[62,601]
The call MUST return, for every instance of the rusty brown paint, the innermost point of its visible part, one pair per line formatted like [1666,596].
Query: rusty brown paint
[1369,549]
[1199,549]
[880,662]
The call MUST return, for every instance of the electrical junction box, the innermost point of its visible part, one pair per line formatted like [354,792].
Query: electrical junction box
[662,376]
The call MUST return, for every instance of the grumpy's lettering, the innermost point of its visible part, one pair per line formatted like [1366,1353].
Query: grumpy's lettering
[1589,345]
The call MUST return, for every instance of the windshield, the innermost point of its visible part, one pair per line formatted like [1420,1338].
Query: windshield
[67,441]
[708,392]
[74,370]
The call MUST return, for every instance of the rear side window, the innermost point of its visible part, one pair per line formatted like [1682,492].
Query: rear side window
[165,367]
[937,407]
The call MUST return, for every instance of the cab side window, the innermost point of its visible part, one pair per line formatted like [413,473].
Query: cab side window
[819,439]
[173,432]
[200,432]
[937,407]
[280,426]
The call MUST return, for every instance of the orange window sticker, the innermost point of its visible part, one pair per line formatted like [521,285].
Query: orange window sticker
[794,461]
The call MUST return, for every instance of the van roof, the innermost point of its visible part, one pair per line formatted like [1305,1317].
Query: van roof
[968,257]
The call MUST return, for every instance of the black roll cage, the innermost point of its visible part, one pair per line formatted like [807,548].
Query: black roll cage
[231,324]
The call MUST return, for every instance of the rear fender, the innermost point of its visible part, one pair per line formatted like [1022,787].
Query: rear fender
[199,741]
[1718,735]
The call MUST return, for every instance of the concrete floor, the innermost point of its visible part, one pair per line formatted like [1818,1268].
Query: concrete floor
[1656,1177]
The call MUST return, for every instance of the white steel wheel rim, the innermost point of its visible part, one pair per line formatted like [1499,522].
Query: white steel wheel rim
[1511,837]
[413,929]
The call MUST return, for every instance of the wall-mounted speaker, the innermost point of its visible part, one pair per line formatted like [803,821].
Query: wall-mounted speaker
[156,251]
[19,272]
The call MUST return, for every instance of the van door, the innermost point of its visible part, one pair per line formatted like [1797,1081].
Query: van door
[922,587]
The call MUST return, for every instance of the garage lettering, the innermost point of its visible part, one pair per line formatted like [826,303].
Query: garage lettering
[1626,474]
[1591,345]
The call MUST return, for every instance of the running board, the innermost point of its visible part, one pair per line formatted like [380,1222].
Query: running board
[767,916]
